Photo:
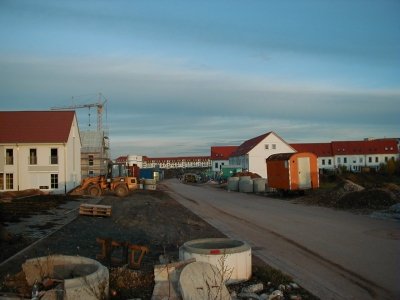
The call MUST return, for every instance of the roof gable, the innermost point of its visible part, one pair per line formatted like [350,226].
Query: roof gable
[222,152]
[35,126]
[248,145]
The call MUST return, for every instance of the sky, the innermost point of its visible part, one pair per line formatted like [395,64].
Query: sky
[182,76]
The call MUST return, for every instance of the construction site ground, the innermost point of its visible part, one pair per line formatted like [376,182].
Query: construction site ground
[43,225]
[47,225]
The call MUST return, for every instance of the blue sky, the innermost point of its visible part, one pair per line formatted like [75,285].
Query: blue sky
[181,76]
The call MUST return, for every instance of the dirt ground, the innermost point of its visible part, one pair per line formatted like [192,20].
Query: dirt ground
[147,218]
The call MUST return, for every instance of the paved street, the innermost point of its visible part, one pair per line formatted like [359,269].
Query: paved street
[334,254]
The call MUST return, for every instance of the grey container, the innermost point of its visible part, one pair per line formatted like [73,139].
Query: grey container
[244,178]
[246,186]
[233,184]
[259,185]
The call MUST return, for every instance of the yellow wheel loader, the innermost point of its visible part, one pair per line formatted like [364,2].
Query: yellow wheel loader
[120,185]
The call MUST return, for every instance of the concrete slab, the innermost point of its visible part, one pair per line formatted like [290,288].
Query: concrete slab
[200,280]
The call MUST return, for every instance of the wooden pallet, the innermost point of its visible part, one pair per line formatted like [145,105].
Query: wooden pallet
[95,210]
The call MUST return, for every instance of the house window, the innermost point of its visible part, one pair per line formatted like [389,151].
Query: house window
[1,181]
[323,162]
[216,165]
[361,160]
[54,181]
[370,159]
[345,160]
[32,157]
[91,160]
[54,156]
[9,181]
[90,173]
[266,146]
[9,157]
[386,158]
[338,160]
[329,161]
[274,146]
[376,159]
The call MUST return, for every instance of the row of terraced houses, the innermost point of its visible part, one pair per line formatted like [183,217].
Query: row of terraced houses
[252,153]
[43,150]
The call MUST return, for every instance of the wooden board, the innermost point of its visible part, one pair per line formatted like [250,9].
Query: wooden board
[95,210]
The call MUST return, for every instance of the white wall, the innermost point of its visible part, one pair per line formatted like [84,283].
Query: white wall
[259,153]
[34,176]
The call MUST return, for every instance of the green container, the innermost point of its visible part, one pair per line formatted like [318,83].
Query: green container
[229,171]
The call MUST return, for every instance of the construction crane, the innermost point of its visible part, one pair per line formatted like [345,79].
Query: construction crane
[99,105]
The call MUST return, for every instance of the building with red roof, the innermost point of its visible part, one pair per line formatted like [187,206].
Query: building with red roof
[354,155]
[220,156]
[39,150]
[177,162]
[251,154]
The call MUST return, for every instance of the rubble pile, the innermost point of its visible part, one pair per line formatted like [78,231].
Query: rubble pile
[259,291]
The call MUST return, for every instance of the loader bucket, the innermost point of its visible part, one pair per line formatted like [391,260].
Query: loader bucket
[77,191]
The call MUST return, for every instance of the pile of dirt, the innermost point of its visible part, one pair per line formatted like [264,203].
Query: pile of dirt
[20,194]
[367,198]
[252,175]
[343,193]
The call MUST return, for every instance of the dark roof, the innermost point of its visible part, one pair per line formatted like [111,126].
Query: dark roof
[287,156]
[35,126]
[280,156]
[246,146]
[222,152]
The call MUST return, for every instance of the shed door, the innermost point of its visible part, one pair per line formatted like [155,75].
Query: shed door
[304,173]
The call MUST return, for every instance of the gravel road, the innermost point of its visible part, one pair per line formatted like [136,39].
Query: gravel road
[334,254]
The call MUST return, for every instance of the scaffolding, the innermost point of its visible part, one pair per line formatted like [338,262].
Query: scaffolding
[95,151]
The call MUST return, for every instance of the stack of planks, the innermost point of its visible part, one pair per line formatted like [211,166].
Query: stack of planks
[95,210]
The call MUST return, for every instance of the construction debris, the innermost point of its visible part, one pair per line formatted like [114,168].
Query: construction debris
[166,277]
[95,210]
[130,254]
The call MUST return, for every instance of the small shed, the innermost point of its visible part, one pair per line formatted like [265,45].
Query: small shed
[292,171]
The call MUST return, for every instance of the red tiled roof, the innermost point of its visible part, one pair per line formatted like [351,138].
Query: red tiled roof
[222,152]
[122,159]
[364,147]
[379,146]
[35,126]
[178,158]
[319,149]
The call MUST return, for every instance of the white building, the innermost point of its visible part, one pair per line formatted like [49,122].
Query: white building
[220,156]
[251,154]
[39,150]
[166,162]
[354,155]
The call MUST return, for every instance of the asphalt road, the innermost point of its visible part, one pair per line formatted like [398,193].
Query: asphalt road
[333,254]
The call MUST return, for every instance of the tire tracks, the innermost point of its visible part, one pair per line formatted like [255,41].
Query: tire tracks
[374,290]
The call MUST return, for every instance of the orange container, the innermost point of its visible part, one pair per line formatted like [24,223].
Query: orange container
[292,171]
